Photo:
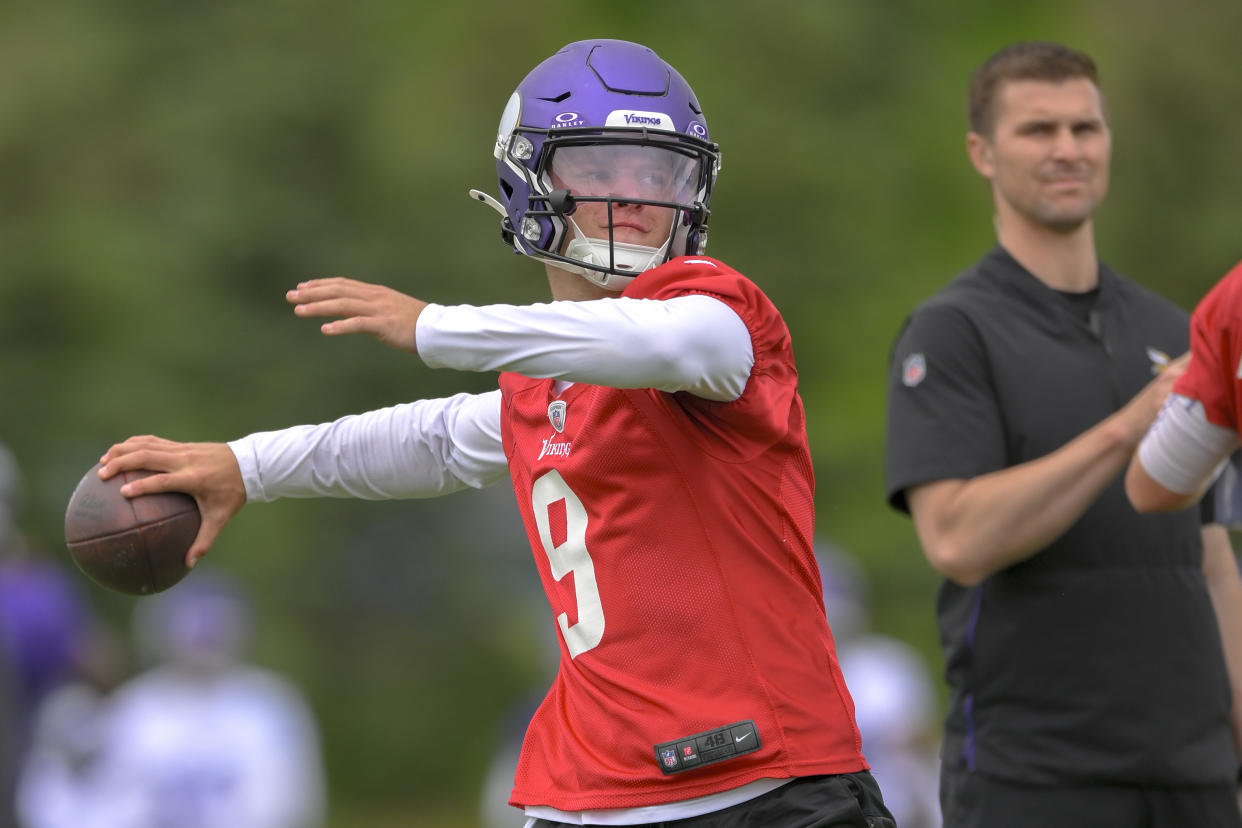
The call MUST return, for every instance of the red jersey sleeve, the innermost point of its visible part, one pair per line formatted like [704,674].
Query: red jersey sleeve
[1216,352]
[771,392]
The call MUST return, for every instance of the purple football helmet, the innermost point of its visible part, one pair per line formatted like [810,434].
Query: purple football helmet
[593,109]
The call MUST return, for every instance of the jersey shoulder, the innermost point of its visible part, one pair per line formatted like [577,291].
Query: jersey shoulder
[1216,341]
[695,274]
[700,275]
[1223,302]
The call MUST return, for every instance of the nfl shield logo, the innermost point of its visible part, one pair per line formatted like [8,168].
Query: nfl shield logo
[669,757]
[913,369]
[556,415]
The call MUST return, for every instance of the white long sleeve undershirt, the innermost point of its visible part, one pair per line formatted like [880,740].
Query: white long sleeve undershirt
[412,450]
[691,343]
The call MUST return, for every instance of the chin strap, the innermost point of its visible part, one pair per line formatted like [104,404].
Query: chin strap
[633,258]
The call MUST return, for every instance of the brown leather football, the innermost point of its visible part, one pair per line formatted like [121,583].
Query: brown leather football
[131,545]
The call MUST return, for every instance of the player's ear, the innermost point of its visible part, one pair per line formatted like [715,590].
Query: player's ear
[979,148]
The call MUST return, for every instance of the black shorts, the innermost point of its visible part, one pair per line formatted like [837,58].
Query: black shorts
[846,800]
[970,800]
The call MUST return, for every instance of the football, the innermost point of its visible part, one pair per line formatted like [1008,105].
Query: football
[131,545]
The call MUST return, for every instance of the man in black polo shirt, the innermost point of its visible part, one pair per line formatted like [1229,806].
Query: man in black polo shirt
[1083,653]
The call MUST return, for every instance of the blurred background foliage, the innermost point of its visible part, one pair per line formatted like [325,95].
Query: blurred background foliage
[169,169]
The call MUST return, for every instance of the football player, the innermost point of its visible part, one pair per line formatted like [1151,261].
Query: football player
[655,439]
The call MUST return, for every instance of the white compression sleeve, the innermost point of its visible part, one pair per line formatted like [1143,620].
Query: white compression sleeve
[692,343]
[1182,449]
[414,450]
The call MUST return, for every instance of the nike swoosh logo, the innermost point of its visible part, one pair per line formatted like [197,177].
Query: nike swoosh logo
[740,738]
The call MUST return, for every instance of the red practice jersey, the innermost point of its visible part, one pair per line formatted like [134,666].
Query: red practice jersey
[1214,376]
[673,536]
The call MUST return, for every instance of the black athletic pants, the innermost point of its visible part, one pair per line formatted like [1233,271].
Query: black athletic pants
[970,800]
[847,800]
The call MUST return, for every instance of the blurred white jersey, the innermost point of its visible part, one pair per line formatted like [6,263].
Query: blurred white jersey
[236,749]
[895,707]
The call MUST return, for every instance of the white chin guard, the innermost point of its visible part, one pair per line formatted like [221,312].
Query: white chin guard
[632,258]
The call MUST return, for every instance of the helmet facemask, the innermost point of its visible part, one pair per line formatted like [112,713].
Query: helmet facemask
[620,207]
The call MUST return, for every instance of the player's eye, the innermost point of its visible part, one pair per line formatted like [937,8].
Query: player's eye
[591,181]
[654,179]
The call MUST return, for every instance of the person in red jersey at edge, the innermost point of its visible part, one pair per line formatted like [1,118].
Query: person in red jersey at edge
[1190,444]
[650,422]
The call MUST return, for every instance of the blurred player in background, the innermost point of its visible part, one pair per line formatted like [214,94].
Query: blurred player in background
[60,780]
[1083,650]
[497,783]
[650,422]
[201,739]
[8,746]
[9,718]
[893,691]
[50,637]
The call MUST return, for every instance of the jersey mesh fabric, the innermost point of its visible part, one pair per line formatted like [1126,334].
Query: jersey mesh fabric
[1212,377]
[692,525]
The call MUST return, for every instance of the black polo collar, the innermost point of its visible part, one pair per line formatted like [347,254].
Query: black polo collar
[1008,273]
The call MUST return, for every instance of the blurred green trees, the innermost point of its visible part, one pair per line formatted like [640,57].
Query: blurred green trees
[168,170]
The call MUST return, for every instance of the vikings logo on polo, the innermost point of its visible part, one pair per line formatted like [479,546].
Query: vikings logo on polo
[556,415]
[1159,360]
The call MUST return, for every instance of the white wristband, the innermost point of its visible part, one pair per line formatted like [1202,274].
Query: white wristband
[1183,451]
